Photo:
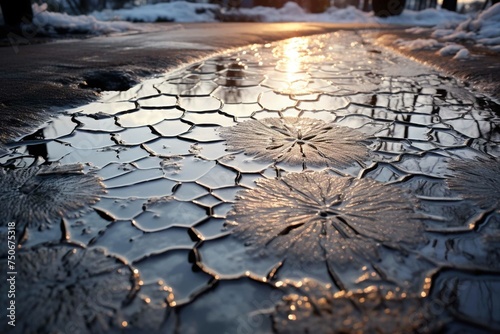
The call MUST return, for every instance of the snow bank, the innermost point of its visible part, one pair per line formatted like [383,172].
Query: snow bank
[458,51]
[178,11]
[291,11]
[446,49]
[462,54]
[181,11]
[450,49]
[426,17]
[49,22]
[484,29]
[418,44]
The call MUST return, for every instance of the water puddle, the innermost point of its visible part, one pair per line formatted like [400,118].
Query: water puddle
[307,185]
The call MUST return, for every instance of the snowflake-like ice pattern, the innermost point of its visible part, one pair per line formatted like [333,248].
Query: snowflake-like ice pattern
[316,309]
[64,288]
[39,196]
[477,180]
[315,216]
[297,141]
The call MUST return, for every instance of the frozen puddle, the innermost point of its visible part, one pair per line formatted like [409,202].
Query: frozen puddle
[316,184]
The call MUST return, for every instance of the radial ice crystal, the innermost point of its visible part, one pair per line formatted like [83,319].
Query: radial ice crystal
[477,180]
[39,196]
[316,216]
[297,141]
[315,309]
[67,289]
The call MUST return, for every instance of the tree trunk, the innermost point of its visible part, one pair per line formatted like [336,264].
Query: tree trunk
[16,11]
[318,6]
[450,5]
[366,6]
[84,6]
[385,8]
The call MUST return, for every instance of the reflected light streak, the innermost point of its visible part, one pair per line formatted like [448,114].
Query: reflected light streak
[293,55]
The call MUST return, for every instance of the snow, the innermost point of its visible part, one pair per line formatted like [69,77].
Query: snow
[417,30]
[292,12]
[418,44]
[181,11]
[426,17]
[49,22]
[178,11]
[484,29]
[447,26]
[450,50]
[446,49]
[462,54]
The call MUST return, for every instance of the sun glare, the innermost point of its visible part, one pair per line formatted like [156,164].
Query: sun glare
[293,55]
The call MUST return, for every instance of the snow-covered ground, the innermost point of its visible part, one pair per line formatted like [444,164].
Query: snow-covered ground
[293,12]
[483,28]
[180,11]
[50,22]
[480,30]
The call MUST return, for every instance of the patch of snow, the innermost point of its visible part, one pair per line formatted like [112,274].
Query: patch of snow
[462,54]
[450,50]
[178,11]
[349,14]
[426,17]
[483,29]
[458,35]
[50,22]
[440,33]
[418,44]
[291,11]
[450,26]
[417,30]
[181,11]
[490,41]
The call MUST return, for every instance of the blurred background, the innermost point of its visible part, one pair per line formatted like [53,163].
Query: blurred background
[77,7]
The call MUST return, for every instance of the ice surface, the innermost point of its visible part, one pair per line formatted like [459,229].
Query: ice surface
[317,309]
[39,196]
[297,141]
[477,180]
[82,299]
[396,188]
[312,217]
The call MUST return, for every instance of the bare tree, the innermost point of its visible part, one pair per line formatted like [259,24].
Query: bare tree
[16,11]
[385,8]
[450,5]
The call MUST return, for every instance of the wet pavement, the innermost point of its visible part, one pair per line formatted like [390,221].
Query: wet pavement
[39,79]
[316,184]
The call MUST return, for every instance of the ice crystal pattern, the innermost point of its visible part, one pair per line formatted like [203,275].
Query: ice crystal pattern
[38,196]
[69,289]
[477,180]
[297,140]
[313,215]
[315,309]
